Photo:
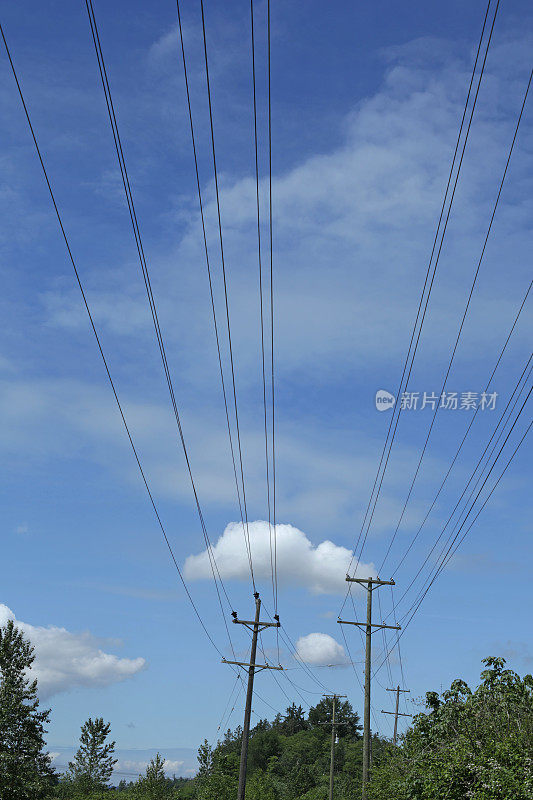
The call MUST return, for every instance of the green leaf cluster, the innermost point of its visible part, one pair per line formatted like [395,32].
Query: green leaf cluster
[469,745]
[288,759]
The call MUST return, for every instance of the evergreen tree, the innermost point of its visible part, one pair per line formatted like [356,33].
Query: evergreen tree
[344,713]
[154,785]
[93,764]
[25,771]
[294,721]
[205,759]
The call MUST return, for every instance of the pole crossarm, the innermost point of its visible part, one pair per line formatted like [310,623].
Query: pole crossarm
[369,625]
[250,623]
[334,723]
[255,627]
[369,582]
[254,666]
[394,714]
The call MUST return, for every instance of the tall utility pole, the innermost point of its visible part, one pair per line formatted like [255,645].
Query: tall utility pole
[334,725]
[397,711]
[370,584]
[256,627]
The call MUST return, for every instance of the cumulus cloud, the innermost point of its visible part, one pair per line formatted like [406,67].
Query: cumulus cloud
[320,648]
[64,660]
[321,569]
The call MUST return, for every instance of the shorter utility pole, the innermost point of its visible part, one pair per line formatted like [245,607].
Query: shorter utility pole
[397,711]
[256,627]
[334,725]
[370,584]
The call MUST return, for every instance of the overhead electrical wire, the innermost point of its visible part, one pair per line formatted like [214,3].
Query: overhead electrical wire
[518,397]
[372,712]
[238,680]
[151,300]
[435,266]
[454,545]
[518,389]
[270,228]
[100,348]
[472,420]
[472,476]
[411,352]
[209,276]
[261,312]
[460,331]
[226,300]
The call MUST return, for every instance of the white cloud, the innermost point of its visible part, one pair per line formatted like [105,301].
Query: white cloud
[172,765]
[320,648]
[321,569]
[64,660]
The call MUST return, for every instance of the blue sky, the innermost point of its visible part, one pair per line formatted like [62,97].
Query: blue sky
[366,106]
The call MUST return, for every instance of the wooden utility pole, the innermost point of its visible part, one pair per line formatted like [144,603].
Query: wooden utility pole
[256,627]
[334,725]
[370,584]
[397,711]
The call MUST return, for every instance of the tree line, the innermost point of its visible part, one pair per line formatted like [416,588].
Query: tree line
[475,744]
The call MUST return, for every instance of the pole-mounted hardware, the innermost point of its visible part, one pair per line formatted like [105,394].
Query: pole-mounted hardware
[396,713]
[255,626]
[370,584]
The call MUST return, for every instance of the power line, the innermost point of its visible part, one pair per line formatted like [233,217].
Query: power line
[481,474]
[270,227]
[450,552]
[409,356]
[151,300]
[501,419]
[261,313]
[209,276]
[230,346]
[359,679]
[459,333]
[230,698]
[102,354]
[434,271]
[502,351]
[98,342]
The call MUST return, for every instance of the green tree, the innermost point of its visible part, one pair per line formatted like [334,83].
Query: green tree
[205,759]
[93,763]
[25,771]
[344,713]
[154,784]
[470,744]
[261,786]
[264,745]
[294,721]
